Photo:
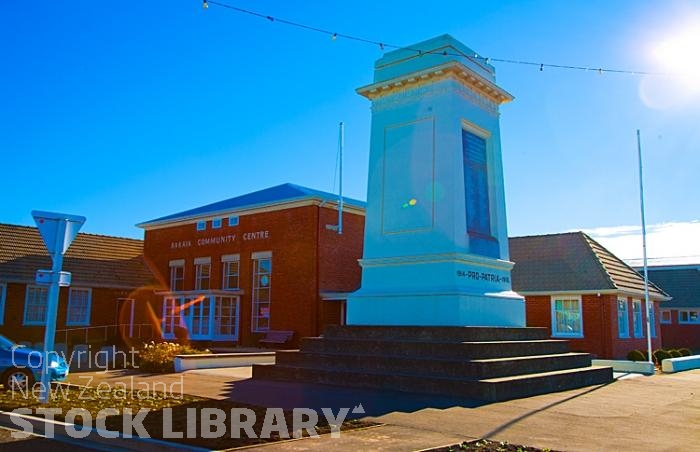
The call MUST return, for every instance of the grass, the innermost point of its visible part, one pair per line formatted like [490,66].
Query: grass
[92,399]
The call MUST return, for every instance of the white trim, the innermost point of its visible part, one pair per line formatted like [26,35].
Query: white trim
[233,221]
[254,209]
[3,298]
[44,289]
[176,263]
[217,222]
[202,260]
[553,301]
[261,255]
[230,257]
[688,311]
[201,225]
[85,321]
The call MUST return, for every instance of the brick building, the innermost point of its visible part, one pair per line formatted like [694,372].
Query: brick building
[680,317]
[269,260]
[111,286]
[582,292]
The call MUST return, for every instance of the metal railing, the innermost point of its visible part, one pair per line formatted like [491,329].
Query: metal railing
[102,333]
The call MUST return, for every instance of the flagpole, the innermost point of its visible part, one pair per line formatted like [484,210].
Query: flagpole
[341,139]
[644,248]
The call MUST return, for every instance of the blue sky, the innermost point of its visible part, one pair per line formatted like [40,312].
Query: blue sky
[125,111]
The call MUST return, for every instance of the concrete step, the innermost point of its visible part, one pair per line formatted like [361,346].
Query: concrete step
[495,389]
[429,366]
[435,334]
[439,350]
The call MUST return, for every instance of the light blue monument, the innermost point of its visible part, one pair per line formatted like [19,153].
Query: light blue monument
[436,241]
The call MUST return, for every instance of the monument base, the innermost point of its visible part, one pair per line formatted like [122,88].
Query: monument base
[492,309]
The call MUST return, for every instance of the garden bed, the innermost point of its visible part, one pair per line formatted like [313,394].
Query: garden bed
[485,445]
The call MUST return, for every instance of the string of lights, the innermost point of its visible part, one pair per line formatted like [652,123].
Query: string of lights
[384,45]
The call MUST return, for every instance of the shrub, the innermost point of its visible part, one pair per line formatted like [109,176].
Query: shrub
[660,355]
[182,336]
[674,353]
[685,351]
[636,355]
[160,357]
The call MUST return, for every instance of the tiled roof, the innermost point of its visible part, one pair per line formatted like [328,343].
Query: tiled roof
[272,195]
[682,282]
[571,262]
[93,260]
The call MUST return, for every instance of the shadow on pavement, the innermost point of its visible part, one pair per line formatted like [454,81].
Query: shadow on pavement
[289,395]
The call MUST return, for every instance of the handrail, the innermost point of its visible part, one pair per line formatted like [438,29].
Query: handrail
[136,328]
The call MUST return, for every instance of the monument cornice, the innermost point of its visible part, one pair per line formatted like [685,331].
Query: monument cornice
[451,70]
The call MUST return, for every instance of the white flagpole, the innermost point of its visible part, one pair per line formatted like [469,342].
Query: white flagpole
[644,249]
[341,139]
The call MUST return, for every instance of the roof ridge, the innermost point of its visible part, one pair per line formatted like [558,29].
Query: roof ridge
[551,234]
[601,265]
[92,234]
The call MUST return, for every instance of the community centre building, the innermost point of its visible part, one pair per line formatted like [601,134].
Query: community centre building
[106,303]
[582,292]
[277,259]
[680,317]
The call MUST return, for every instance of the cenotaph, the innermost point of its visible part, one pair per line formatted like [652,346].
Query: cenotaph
[436,241]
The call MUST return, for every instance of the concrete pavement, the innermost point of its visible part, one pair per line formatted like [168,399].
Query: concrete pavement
[661,412]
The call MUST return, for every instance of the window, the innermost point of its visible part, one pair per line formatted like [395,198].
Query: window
[637,318]
[35,305]
[201,225]
[666,316]
[652,319]
[262,273]
[202,273]
[216,223]
[199,312]
[233,221]
[231,266]
[177,275]
[688,316]
[3,295]
[225,320]
[79,301]
[623,320]
[566,317]
[171,316]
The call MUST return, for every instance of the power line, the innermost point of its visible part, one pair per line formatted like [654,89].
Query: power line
[384,45]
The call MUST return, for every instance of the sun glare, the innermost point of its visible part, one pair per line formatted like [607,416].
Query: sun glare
[680,55]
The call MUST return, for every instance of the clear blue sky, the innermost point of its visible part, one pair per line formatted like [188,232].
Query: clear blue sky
[125,111]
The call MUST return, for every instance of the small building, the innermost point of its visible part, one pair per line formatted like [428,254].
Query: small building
[106,303]
[679,317]
[275,259]
[582,292]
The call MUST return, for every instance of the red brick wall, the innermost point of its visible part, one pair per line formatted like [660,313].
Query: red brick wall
[678,335]
[600,329]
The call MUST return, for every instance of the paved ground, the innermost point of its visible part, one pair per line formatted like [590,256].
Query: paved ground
[661,412]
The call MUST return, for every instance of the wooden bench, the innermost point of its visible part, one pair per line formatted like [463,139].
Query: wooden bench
[276,337]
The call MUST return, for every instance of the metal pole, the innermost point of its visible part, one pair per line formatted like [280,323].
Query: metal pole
[341,139]
[644,248]
[51,312]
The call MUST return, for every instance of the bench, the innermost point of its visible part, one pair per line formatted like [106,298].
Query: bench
[276,337]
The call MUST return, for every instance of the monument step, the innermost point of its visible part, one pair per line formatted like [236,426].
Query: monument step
[429,366]
[495,389]
[442,350]
[436,334]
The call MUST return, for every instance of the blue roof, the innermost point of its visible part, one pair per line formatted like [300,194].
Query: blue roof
[273,195]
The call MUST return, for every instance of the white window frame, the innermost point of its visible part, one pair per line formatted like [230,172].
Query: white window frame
[174,265]
[171,318]
[688,313]
[233,220]
[652,318]
[663,313]
[85,321]
[216,223]
[41,289]
[202,225]
[202,272]
[227,262]
[577,299]
[637,319]
[202,319]
[258,284]
[623,316]
[3,297]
